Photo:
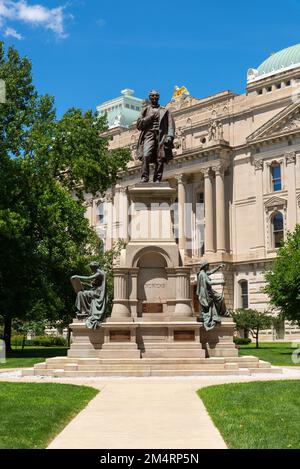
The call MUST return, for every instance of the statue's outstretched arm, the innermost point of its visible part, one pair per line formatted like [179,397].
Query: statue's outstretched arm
[213,282]
[83,277]
[214,270]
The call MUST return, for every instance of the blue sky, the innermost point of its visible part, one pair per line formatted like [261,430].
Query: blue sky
[85,51]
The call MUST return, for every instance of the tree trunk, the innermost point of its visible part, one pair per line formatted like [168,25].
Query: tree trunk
[7,333]
[69,337]
[256,338]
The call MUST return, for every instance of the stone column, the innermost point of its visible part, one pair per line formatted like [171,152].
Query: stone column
[109,221]
[181,211]
[123,213]
[116,218]
[120,311]
[183,300]
[220,208]
[260,236]
[290,159]
[209,216]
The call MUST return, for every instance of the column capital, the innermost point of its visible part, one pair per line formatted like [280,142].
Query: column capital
[121,189]
[181,178]
[109,197]
[219,170]
[290,157]
[99,201]
[207,173]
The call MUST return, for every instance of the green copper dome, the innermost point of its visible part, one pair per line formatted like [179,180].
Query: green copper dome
[284,58]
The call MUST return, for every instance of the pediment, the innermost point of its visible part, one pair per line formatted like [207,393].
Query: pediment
[286,122]
[275,202]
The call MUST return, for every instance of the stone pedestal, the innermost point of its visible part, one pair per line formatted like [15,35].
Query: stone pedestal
[119,341]
[85,342]
[219,341]
[177,339]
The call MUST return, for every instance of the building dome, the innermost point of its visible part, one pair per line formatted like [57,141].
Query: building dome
[282,60]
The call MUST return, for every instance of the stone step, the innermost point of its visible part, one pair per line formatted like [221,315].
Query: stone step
[172,345]
[265,370]
[242,359]
[228,369]
[263,364]
[141,366]
[189,353]
[137,373]
[129,361]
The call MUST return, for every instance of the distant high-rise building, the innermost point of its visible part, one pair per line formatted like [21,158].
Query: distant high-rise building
[121,111]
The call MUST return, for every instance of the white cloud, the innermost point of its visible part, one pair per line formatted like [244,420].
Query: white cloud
[13,33]
[35,15]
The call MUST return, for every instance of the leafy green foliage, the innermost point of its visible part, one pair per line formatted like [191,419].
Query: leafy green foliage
[41,341]
[46,168]
[253,320]
[283,279]
[242,340]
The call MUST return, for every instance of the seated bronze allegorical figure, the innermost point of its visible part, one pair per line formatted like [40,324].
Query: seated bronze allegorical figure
[211,302]
[91,303]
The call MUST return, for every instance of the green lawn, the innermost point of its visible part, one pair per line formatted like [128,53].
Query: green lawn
[256,415]
[277,353]
[32,414]
[32,355]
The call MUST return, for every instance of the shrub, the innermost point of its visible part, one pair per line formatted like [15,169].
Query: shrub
[242,340]
[39,341]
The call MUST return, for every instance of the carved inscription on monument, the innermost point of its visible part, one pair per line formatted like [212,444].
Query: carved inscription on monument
[119,336]
[184,335]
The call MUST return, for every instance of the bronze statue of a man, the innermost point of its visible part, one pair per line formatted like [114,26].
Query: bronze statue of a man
[155,143]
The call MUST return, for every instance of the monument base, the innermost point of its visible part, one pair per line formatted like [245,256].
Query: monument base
[151,349]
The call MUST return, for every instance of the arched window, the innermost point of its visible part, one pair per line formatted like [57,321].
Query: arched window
[244,301]
[277,229]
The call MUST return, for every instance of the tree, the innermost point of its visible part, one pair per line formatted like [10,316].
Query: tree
[46,167]
[253,320]
[283,278]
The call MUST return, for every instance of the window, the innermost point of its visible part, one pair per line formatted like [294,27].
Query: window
[276,177]
[244,294]
[260,91]
[101,213]
[278,86]
[200,227]
[277,228]
[269,88]
[288,83]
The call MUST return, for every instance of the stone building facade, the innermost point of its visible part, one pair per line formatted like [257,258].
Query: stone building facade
[237,175]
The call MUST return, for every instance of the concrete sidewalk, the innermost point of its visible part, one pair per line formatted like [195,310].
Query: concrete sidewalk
[142,414]
[150,413]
